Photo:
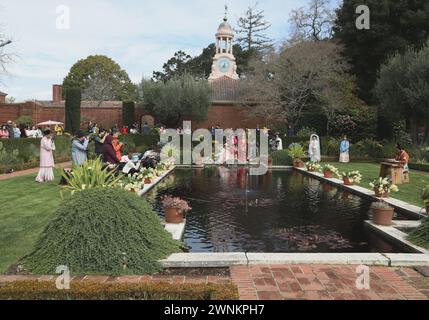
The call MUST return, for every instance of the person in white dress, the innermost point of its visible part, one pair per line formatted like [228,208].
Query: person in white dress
[314,149]
[47,164]
[279,143]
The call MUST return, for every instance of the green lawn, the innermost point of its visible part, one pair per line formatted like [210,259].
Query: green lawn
[410,193]
[26,208]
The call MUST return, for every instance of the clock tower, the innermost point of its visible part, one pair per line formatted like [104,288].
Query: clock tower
[224,64]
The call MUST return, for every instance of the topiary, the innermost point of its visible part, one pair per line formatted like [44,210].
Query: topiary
[103,231]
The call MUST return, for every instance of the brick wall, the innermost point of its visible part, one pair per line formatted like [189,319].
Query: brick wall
[227,116]
[230,116]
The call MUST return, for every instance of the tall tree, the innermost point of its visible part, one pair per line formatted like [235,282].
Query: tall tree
[176,66]
[403,89]
[313,22]
[171,102]
[251,30]
[100,78]
[306,75]
[394,25]
[5,56]
[72,109]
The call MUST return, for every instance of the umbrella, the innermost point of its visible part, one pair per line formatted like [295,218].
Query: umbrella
[50,123]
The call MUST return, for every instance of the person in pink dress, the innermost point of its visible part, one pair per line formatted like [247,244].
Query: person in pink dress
[47,164]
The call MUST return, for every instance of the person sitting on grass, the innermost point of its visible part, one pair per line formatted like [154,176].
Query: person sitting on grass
[80,149]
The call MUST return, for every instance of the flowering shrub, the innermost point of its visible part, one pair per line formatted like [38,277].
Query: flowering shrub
[383,185]
[313,166]
[177,203]
[353,176]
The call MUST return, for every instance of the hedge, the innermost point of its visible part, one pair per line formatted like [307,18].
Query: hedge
[24,153]
[139,140]
[72,109]
[46,290]
[419,167]
[128,110]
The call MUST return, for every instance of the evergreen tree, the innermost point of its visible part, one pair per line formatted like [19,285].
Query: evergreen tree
[251,30]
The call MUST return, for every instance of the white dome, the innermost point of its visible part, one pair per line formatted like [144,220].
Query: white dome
[225,29]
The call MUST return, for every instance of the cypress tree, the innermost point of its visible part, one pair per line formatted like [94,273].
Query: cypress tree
[72,109]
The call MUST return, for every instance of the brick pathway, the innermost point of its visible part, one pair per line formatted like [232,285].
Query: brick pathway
[291,282]
[30,171]
[323,282]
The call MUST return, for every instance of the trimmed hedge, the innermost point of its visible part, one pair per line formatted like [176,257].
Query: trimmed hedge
[24,153]
[419,167]
[103,231]
[139,140]
[128,110]
[34,290]
[72,109]
[281,158]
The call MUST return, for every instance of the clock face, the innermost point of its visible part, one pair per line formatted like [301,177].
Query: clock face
[224,65]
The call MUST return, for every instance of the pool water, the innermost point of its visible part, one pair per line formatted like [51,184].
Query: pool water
[283,211]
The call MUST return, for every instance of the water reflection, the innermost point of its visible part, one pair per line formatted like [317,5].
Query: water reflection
[278,212]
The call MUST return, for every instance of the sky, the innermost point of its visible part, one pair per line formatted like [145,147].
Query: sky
[140,35]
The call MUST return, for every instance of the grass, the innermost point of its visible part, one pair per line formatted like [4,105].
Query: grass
[26,209]
[410,193]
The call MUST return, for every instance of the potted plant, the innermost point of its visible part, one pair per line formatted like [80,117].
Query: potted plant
[175,209]
[383,187]
[312,166]
[382,213]
[425,197]
[296,152]
[329,171]
[148,175]
[352,178]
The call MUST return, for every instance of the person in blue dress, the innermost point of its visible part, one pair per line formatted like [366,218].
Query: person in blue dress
[345,150]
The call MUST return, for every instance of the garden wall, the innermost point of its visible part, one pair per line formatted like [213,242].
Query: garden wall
[106,116]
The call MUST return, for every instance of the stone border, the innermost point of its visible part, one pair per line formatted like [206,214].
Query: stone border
[217,260]
[399,205]
[177,230]
[148,187]
[393,234]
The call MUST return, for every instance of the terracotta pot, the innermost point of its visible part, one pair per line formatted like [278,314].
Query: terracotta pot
[383,217]
[298,163]
[147,181]
[378,194]
[347,181]
[173,215]
[311,170]
[328,174]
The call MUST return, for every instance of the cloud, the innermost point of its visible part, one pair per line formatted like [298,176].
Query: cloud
[139,35]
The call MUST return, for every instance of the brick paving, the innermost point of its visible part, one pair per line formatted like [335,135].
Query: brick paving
[30,171]
[325,282]
[290,282]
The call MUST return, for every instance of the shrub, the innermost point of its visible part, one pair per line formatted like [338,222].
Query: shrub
[90,175]
[46,290]
[368,148]
[102,231]
[330,146]
[138,140]
[72,109]
[420,236]
[296,151]
[306,133]
[24,121]
[281,158]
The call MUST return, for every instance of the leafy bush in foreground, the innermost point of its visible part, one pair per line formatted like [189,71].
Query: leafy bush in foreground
[102,231]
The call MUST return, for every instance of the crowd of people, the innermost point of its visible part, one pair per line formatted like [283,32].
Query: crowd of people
[11,130]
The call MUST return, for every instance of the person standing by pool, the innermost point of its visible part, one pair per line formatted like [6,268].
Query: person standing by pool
[47,164]
[80,149]
[314,149]
[344,150]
